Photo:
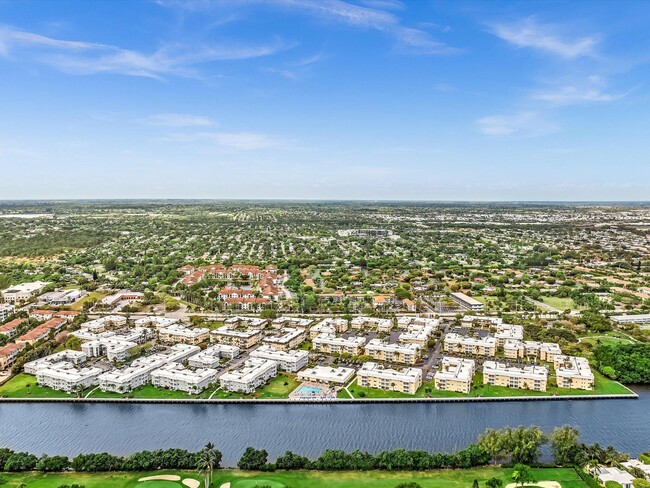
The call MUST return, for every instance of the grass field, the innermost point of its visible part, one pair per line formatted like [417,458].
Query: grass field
[561,303]
[24,386]
[93,295]
[302,479]
[611,338]
[276,388]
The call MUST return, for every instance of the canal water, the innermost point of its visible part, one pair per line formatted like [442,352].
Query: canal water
[70,429]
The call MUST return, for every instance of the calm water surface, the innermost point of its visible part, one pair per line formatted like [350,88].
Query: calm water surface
[309,429]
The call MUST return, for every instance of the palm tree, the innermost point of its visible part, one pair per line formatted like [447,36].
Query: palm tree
[206,463]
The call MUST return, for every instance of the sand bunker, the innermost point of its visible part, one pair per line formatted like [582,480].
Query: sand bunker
[162,477]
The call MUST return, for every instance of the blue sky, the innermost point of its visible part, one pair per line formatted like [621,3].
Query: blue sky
[325,99]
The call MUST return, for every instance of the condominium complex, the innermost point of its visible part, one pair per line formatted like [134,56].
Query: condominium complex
[573,372]
[544,351]
[417,334]
[467,302]
[527,377]
[371,323]
[455,374]
[10,329]
[405,321]
[177,333]
[253,374]
[394,353]
[155,321]
[106,322]
[508,332]
[41,332]
[115,346]
[8,354]
[67,377]
[330,344]
[327,374]
[176,377]
[372,375]
[329,326]
[240,337]
[241,321]
[474,346]
[139,372]
[291,361]
[286,338]
[281,322]
[211,357]
[6,309]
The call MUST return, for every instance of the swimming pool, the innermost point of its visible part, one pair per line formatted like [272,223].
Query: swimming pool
[310,390]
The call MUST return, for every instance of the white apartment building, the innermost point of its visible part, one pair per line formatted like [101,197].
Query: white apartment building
[291,361]
[6,309]
[139,372]
[406,320]
[253,374]
[281,322]
[327,374]
[372,323]
[68,356]
[115,349]
[286,338]
[486,319]
[240,337]
[467,302]
[254,322]
[210,357]
[22,292]
[329,326]
[330,344]
[527,377]
[177,333]
[417,334]
[105,322]
[394,353]
[372,375]
[573,372]
[544,351]
[155,321]
[508,332]
[67,377]
[475,346]
[455,374]
[176,377]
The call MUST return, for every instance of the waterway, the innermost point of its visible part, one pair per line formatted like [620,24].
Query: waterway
[64,428]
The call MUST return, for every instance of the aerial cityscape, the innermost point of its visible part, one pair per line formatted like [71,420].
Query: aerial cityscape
[288,244]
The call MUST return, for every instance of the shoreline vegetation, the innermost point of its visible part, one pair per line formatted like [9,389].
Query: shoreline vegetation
[504,454]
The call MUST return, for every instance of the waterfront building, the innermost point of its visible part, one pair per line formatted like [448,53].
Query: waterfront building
[176,377]
[327,374]
[330,344]
[211,357]
[253,374]
[67,356]
[573,372]
[372,375]
[394,353]
[455,374]
[286,338]
[291,361]
[544,351]
[473,346]
[67,377]
[526,377]
[607,473]
[240,336]
[467,302]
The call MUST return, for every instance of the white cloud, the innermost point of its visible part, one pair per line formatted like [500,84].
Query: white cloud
[238,141]
[86,58]
[177,120]
[520,124]
[545,37]
[571,95]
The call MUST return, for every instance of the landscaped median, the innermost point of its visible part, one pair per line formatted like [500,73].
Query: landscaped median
[459,478]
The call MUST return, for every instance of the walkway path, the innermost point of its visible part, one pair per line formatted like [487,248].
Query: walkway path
[542,484]
[210,397]
[348,391]
[91,392]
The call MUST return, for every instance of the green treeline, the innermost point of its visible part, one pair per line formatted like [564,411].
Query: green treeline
[627,363]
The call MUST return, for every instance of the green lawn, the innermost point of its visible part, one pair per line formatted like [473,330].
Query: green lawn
[24,385]
[146,391]
[92,295]
[610,338]
[300,479]
[561,303]
[276,388]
